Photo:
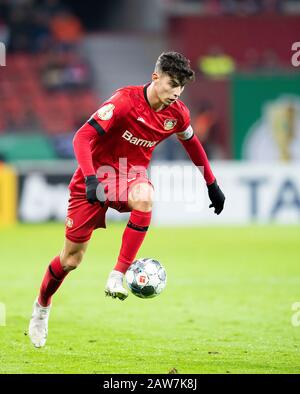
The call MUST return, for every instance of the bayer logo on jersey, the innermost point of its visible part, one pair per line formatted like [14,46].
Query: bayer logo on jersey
[146,278]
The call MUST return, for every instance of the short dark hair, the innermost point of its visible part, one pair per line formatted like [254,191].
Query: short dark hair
[176,66]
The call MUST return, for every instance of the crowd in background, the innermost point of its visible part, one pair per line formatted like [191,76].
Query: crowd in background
[217,64]
[47,84]
[32,26]
[45,70]
[48,27]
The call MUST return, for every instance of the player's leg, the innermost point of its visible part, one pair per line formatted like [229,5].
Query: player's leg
[82,219]
[140,200]
[69,259]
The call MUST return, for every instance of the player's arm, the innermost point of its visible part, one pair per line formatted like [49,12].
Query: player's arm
[99,124]
[195,150]
[83,154]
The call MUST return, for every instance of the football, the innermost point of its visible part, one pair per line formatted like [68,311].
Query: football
[146,278]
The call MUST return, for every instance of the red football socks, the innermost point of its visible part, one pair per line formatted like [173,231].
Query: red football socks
[132,239]
[53,278]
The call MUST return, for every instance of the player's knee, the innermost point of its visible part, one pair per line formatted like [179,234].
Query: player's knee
[141,197]
[143,202]
[72,260]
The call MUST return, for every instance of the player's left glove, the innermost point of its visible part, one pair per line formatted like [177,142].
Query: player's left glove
[217,197]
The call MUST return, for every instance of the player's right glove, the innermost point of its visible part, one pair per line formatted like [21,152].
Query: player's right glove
[217,197]
[94,190]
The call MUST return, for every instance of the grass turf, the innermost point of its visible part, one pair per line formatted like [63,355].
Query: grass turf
[226,308]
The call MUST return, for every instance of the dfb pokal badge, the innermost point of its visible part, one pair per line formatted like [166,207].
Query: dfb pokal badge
[106,112]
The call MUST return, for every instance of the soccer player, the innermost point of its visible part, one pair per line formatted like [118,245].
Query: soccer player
[113,149]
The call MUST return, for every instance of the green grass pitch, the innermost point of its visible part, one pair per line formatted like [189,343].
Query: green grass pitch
[227,307]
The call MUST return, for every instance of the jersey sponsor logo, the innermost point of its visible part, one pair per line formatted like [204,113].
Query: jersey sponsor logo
[69,222]
[141,119]
[170,124]
[106,112]
[128,136]
[186,134]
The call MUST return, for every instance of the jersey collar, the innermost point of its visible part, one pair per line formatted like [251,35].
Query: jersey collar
[147,101]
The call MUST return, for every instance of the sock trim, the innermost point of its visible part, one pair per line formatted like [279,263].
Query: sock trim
[137,227]
[53,274]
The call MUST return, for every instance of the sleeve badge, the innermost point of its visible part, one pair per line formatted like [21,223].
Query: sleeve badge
[106,112]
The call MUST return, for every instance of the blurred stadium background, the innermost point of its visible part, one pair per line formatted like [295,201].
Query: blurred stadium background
[64,58]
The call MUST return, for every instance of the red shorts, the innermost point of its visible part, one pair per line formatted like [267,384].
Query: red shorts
[83,218]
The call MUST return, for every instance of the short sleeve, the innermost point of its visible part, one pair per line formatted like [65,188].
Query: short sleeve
[110,113]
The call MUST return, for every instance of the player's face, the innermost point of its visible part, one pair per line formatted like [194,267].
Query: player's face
[168,89]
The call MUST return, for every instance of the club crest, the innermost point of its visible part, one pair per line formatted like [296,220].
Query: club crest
[170,124]
[69,222]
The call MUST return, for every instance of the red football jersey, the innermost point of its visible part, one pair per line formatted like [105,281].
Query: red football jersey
[130,129]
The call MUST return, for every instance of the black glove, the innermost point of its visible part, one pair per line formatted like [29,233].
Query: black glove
[94,190]
[217,197]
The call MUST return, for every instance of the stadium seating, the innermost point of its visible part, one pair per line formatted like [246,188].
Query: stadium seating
[28,105]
